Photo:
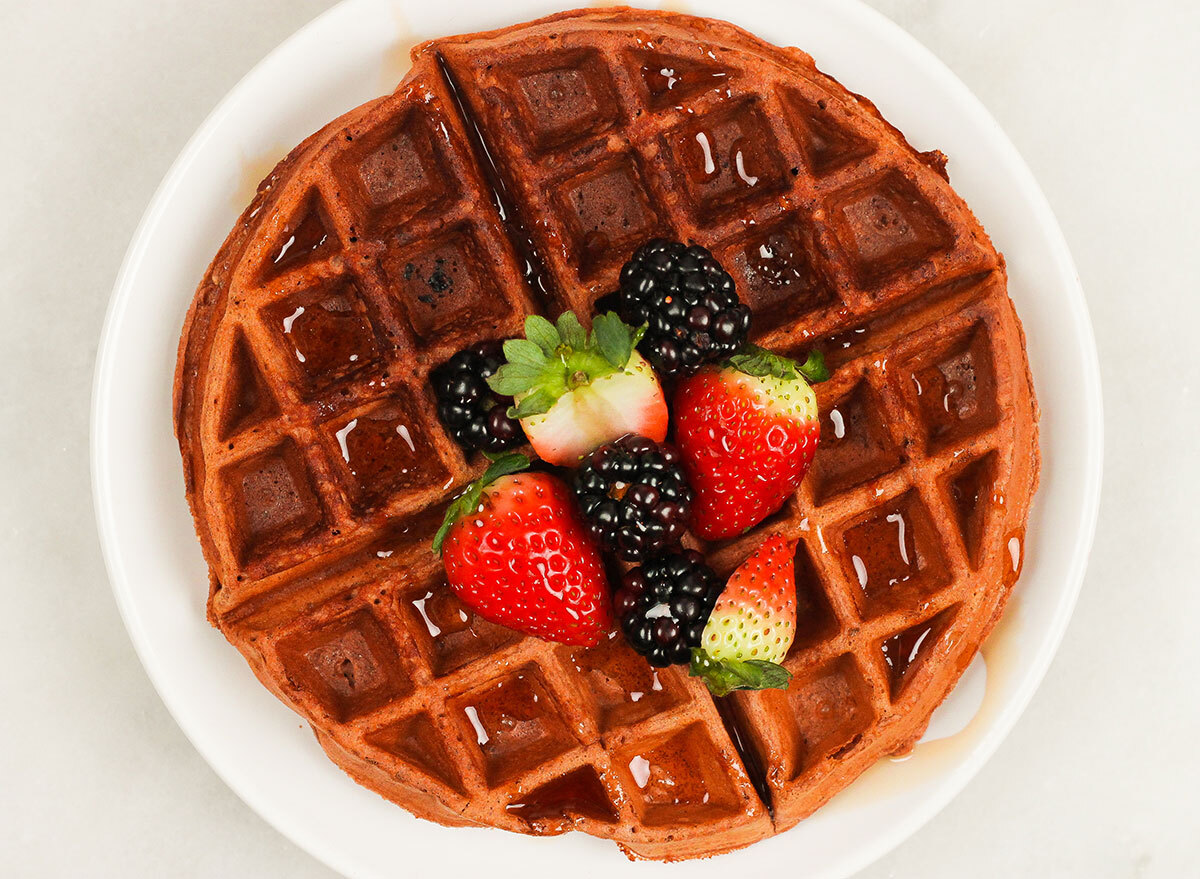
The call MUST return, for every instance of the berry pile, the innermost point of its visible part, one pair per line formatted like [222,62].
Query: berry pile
[663,605]
[688,303]
[476,417]
[634,497]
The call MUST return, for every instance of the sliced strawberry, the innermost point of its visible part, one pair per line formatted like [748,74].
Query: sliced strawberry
[747,432]
[575,391]
[752,625]
[516,550]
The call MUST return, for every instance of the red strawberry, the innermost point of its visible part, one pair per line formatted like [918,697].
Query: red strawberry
[575,391]
[516,550]
[747,432]
[752,624]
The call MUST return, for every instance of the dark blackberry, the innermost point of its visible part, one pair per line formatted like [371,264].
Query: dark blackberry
[634,496]
[476,417]
[688,302]
[663,605]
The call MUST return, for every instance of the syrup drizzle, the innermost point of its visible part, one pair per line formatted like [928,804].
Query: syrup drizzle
[535,272]
[754,766]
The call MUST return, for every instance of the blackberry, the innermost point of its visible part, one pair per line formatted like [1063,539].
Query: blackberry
[663,605]
[476,417]
[634,496]
[688,302]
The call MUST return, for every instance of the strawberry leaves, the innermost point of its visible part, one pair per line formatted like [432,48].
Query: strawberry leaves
[542,333]
[760,362]
[572,332]
[468,501]
[555,358]
[723,676]
[614,339]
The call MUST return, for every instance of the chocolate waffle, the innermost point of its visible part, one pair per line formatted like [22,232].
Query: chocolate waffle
[514,172]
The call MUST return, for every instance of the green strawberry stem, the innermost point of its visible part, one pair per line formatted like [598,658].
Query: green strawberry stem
[468,501]
[754,360]
[723,676]
[554,359]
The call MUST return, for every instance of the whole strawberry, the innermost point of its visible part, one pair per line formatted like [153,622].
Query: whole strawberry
[752,624]
[747,431]
[516,551]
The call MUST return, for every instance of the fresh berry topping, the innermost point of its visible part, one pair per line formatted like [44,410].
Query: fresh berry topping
[634,497]
[686,301]
[753,624]
[517,551]
[746,432]
[662,605]
[575,390]
[476,417]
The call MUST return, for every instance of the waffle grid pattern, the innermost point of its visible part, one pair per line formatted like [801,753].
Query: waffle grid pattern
[377,250]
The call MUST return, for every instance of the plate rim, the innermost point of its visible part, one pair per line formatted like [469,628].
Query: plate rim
[1086,513]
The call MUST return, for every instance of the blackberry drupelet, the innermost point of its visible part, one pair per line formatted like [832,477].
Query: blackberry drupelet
[476,417]
[663,605]
[634,496]
[688,303]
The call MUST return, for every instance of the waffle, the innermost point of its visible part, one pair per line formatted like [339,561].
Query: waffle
[514,172]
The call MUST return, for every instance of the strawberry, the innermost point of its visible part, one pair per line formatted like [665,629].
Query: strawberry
[747,432]
[575,391]
[752,624]
[517,551]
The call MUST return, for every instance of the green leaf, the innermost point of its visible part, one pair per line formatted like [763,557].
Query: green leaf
[571,331]
[814,368]
[757,361]
[614,338]
[514,378]
[554,360]
[468,501]
[723,676]
[526,352]
[536,403]
[514,462]
[542,333]
[754,360]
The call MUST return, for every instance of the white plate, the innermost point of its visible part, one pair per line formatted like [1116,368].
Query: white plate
[358,50]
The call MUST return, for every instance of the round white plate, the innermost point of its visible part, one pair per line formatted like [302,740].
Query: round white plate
[358,50]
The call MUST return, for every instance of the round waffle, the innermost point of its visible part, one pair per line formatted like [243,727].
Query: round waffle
[514,172]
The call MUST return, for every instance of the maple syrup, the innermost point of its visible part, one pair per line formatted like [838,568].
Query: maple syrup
[457,635]
[622,687]
[938,757]
[397,58]
[384,454]
[670,79]
[781,273]
[256,175]
[903,651]
[328,333]
[894,555]
[957,393]
[308,240]
[535,273]
[971,491]
[726,156]
[556,804]
[515,724]
[855,444]
[679,776]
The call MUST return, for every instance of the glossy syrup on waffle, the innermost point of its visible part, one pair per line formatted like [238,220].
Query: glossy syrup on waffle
[520,169]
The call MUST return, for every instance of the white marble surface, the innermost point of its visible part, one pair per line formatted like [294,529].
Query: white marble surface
[1098,779]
